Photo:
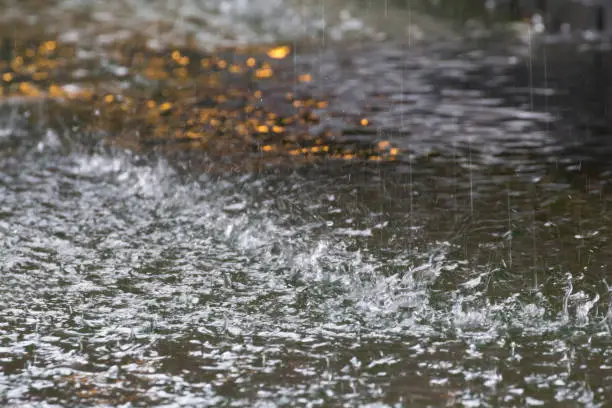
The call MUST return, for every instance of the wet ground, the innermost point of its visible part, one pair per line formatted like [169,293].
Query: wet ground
[393,224]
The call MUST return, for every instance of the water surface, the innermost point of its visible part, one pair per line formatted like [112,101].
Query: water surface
[393,224]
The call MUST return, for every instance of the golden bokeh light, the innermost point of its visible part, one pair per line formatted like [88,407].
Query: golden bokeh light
[264,72]
[305,78]
[279,52]
[209,102]
[383,144]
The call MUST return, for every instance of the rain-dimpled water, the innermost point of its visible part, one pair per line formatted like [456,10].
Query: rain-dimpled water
[277,203]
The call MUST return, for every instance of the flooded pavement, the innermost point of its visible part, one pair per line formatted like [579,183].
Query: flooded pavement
[364,224]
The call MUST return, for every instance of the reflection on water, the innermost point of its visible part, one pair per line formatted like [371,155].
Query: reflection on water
[230,103]
[372,223]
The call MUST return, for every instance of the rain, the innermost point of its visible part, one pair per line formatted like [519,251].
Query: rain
[305,203]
